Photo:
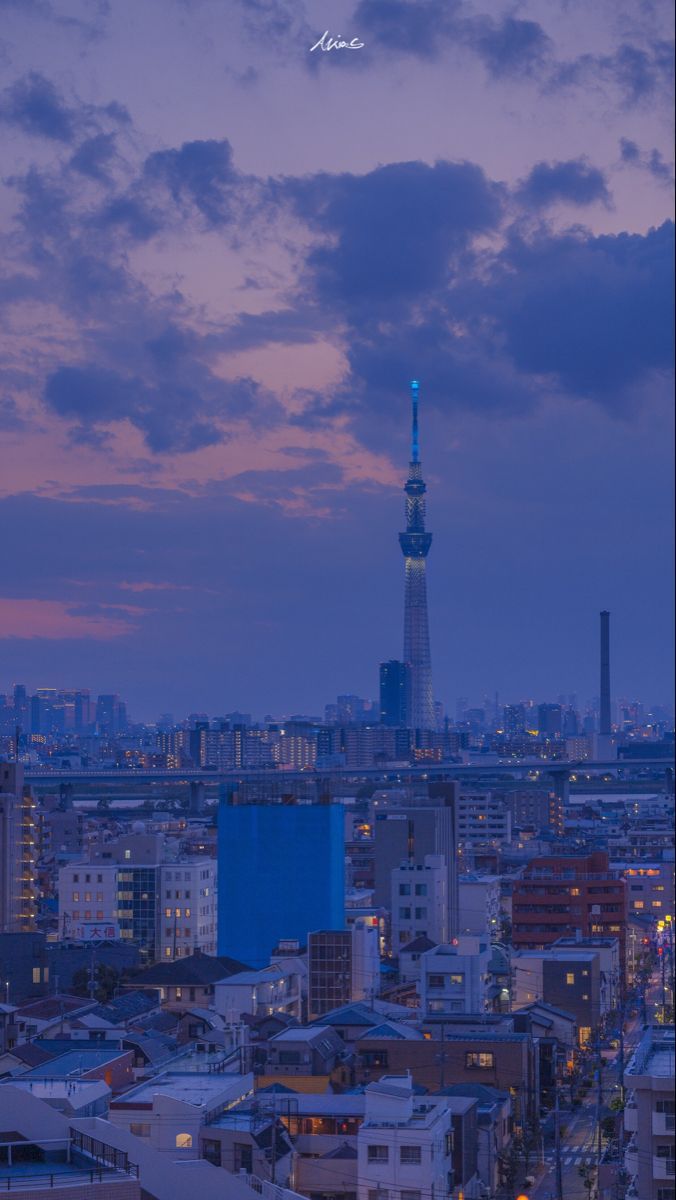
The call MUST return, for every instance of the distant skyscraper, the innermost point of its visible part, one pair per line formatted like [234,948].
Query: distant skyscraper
[394,687]
[415,544]
[604,722]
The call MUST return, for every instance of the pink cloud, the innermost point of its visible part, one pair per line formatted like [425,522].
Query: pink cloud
[20,618]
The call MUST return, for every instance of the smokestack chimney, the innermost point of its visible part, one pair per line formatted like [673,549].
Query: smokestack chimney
[605,673]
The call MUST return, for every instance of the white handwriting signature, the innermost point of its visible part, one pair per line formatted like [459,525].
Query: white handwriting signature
[328,43]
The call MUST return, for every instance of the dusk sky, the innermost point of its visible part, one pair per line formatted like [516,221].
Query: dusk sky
[223,259]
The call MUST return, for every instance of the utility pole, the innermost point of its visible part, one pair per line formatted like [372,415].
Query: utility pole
[599,1104]
[557,1150]
[620,1057]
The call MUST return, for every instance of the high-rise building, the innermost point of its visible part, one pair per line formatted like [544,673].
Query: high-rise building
[407,831]
[18,842]
[604,720]
[281,874]
[343,966]
[394,688]
[111,714]
[549,720]
[415,544]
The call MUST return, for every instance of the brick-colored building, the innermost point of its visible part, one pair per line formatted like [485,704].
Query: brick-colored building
[561,895]
[503,1060]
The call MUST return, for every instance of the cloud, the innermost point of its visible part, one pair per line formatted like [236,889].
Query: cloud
[199,174]
[572,182]
[425,28]
[511,46]
[595,312]
[394,230]
[178,414]
[52,619]
[652,162]
[94,155]
[640,73]
[34,105]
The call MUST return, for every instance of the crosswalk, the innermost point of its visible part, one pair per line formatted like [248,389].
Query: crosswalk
[572,1158]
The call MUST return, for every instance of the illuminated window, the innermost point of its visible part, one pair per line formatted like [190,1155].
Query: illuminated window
[167,951]
[36,974]
[183,1141]
[575,891]
[570,977]
[484,1059]
[638,904]
[127,854]
[76,897]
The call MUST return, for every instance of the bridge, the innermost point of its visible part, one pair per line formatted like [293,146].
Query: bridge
[391,773]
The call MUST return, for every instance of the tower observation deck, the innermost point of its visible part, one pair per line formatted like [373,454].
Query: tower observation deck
[415,544]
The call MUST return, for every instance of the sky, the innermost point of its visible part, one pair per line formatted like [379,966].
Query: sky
[224,256]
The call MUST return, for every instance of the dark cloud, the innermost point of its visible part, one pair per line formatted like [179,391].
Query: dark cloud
[394,230]
[425,28]
[290,326]
[573,182]
[131,215]
[640,73]
[511,46]
[94,156]
[595,312]
[629,150]
[199,173]
[418,27]
[179,408]
[652,162]
[34,105]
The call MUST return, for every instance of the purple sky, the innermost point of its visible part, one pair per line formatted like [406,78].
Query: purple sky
[224,258]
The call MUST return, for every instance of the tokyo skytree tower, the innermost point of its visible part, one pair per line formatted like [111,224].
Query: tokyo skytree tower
[415,544]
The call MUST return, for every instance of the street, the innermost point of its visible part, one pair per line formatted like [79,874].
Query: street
[578,1127]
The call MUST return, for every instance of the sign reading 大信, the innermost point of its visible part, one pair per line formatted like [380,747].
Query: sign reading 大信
[96,931]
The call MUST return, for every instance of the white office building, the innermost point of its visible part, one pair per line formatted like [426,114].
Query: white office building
[420,901]
[454,978]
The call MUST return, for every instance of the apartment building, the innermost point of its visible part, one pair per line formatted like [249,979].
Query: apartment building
[650,1117]
[406,1144]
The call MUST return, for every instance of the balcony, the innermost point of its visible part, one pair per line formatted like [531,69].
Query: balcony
[631,1119]
[663,1122]
[664,1168]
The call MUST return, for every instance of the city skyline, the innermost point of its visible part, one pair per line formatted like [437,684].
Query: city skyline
[214,305]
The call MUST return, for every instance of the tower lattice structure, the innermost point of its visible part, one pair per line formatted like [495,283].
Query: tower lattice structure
[415,544]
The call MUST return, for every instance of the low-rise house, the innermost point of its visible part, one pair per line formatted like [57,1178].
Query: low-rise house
[273,989]
[249,1140]
[170,1110]
[407,1144]
[186,981]
[306,1050]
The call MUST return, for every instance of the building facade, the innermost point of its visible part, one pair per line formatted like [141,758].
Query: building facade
[281,873]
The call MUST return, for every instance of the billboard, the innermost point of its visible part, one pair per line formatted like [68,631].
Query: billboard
[96,931]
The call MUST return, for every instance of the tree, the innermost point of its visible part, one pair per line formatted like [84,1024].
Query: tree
[588,1175]
[106,980]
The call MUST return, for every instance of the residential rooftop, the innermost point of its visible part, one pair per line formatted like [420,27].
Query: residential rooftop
[197,1088]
